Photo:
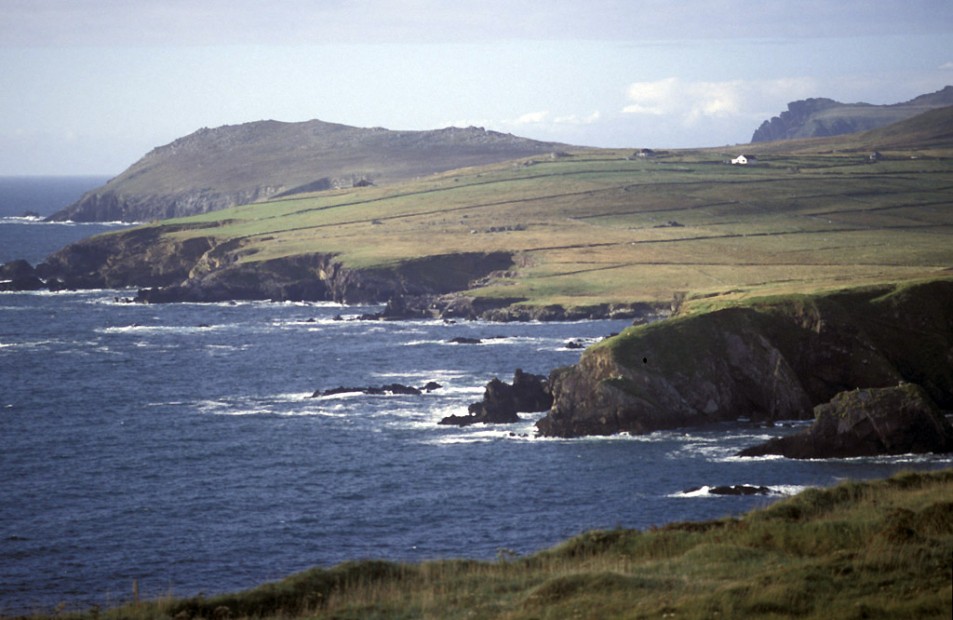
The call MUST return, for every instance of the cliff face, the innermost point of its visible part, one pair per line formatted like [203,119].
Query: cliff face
[767,361]
[812,118]
[891,420]
[202,269]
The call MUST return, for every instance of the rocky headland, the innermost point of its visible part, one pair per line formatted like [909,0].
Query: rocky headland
[821,117]
[213,169]
[769,360]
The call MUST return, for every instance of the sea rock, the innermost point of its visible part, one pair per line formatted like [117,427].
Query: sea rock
[502,402]
[893,420]
[393,388]
[766,360]
[464,340]
[740,489]
[19,275]
[734,489]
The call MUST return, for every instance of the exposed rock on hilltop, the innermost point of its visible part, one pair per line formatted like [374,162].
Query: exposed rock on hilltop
[811,118]
[213,169]
[765,361]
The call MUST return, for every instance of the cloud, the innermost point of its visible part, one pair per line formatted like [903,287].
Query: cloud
[531,118]
[692,102]
[947,66]
[572,119]
[543,122]
[655,98]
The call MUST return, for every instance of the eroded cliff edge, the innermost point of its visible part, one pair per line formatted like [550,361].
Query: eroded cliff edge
[190,264]
[166,267]
[765,360]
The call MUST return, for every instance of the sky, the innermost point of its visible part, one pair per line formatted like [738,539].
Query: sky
[90,86]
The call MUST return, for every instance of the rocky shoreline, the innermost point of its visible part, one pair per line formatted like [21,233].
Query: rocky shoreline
[792,357]
[199,269]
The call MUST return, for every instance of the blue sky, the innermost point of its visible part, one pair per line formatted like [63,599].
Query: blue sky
[89,86]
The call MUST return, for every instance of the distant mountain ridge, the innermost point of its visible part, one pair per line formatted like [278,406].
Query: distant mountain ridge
[820,117]
[213,169]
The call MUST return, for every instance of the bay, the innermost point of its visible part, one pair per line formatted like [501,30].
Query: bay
[179,446]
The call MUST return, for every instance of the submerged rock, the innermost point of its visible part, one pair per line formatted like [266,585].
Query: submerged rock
[893,420]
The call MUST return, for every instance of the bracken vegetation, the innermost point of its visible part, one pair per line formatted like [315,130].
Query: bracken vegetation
[857,550]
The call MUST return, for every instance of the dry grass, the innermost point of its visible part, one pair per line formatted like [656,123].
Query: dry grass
[857,550]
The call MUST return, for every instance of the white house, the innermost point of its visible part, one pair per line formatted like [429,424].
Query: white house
[741,160]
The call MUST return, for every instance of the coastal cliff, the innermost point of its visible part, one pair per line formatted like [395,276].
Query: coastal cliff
[766,360]
[188,263]
[202,269]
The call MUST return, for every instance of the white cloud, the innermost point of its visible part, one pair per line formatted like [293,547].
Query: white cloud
[655,98]
[947,66]
[530,118]
[692,102]
[572,119]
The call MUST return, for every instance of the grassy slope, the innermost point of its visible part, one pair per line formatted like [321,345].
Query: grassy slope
[858,550]
[811,216]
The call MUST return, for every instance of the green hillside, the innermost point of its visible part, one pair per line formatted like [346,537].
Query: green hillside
[604,226]
[212,169]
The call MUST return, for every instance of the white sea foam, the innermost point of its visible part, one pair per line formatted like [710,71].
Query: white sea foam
[160,329]
[31,345]
[281,405]
[39,220]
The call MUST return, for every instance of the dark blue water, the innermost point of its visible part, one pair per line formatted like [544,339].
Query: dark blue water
[178,446]
[24,201]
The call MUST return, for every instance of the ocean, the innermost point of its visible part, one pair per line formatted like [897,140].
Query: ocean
[179,446]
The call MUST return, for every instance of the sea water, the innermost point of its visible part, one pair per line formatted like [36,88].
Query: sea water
[25,201]
[179,446]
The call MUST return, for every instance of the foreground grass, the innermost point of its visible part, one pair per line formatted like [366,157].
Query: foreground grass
[857,550]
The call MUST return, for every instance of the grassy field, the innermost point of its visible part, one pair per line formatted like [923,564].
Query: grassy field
[858,550]
[604,226]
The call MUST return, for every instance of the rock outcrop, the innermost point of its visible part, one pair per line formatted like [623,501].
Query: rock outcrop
[769,360]
[503,402]
[892,420]
[19,275]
